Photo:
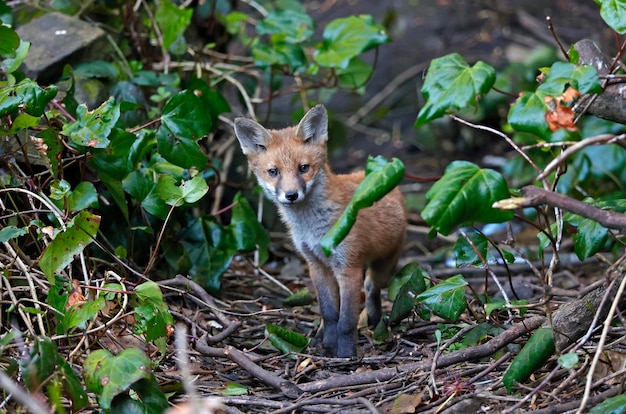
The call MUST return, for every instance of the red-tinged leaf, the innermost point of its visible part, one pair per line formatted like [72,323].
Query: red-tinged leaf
[559,116]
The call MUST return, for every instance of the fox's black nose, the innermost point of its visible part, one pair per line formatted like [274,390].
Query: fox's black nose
[291,195]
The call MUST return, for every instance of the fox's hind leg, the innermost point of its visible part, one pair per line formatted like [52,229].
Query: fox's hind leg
[377,277]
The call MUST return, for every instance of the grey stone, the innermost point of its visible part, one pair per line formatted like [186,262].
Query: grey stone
[57,39]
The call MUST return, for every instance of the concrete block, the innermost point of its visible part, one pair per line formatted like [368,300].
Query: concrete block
[57,39]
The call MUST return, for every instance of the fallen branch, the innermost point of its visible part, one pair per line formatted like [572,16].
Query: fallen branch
[463,355]
[535,196]
[290,389]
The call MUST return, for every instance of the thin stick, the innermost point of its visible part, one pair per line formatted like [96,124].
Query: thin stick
[600,346]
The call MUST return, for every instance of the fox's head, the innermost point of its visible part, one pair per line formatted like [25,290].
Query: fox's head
[287,162]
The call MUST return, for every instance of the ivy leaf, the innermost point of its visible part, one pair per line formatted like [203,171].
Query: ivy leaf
[92,128]
[60,252]
[355,75]
[465,195]
[184,121]
[452,84]
[346,38]
[141,186]
[9,41]
[41,364]
[248,234]
[108,375]
[187,192]
[465,253]
[288,25]
[27,94]
[213,99]
[381,177]
[172,21]
[78,315]
[613,12]
[152,314]
[528,113]
[11,232]
[534,354]
[114,160]
[279,54]
[285,340]
[11,64]
[410,281]
[447,299]
[82,197]
[591,237]
[613,405]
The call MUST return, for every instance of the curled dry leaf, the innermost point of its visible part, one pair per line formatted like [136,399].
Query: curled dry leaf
[559,116]
[75,297]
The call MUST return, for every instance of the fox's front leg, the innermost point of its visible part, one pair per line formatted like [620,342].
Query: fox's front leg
[328,298]
[350,282]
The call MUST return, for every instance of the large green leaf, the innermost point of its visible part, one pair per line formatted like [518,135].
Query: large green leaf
[92,128]
[108,375]
[26,95]
[613,12]
[452,84]
[78,235]
[286,25]
[185,119]
[446,299]
[533,355]
[172,21]
[380,178]
[464,195]
[348,37]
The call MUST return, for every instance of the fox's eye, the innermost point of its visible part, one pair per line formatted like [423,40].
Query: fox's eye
[273,172]
[304,168]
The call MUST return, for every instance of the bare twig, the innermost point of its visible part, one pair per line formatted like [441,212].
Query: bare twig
[290,389]
[597,140]
[535,196]
[600,347]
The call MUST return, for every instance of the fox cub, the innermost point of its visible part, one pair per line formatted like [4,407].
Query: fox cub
[292,167]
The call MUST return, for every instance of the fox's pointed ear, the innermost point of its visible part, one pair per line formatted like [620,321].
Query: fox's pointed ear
[252,137]
[313,128]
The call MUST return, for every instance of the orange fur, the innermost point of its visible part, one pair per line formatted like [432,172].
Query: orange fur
[292,168]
